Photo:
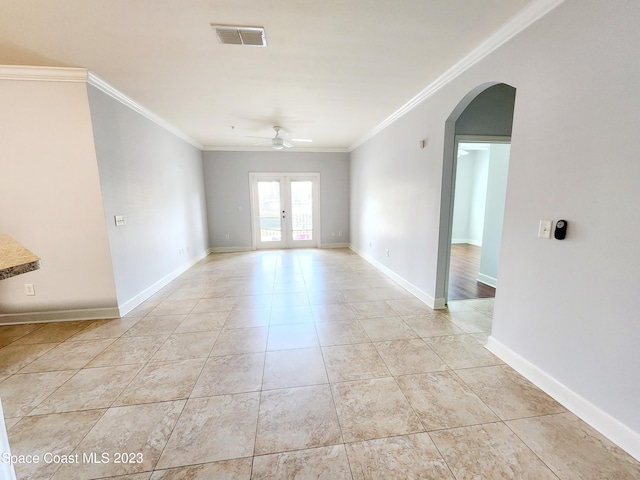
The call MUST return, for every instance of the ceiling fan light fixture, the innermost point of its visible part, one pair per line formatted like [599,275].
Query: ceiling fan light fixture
[277,143]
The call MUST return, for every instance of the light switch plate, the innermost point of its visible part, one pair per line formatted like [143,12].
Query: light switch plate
[120,220]
[544,230]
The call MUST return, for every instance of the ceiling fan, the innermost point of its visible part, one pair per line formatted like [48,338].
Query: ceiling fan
[279,141]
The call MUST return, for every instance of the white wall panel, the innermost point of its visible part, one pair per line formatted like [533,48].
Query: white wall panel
[50,200]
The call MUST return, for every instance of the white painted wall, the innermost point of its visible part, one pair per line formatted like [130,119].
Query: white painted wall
[155,180]
[227,188]
[7,472]
[568,309]
[494,212]
[465,180]
[478,208]
[472,173]
[50,200]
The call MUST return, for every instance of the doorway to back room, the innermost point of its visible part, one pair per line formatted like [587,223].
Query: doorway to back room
[478,210]
[484,114]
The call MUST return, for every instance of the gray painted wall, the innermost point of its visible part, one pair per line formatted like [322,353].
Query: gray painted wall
[228,198]
[567,309]
[155,180]
[490,113]
[50,201]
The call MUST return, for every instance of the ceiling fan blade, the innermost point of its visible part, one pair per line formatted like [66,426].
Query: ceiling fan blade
[287,144]
[252,136]
[307,140]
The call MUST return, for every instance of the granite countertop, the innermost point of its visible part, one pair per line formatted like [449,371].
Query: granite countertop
[15,259]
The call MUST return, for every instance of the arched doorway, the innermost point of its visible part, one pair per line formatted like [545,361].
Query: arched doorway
[486,111]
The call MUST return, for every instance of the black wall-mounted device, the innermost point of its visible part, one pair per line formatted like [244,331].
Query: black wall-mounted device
[561,230]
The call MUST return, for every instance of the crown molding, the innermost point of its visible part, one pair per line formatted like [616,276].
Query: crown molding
[211,148]
[95,81]
[82,75]
[518,23]
[27,73]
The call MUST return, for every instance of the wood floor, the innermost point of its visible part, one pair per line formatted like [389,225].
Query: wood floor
[463,273]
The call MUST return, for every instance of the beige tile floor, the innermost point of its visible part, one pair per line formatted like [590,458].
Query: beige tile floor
[286,364]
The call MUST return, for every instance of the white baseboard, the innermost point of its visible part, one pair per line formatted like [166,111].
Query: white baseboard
[229,249]
[59,315]
[248,249]
[608,426]
[98,313]
[457,241]
[129,305]
[335,245]
[487,280]
[410,287]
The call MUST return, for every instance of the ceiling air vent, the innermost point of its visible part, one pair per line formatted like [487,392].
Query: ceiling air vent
[233,35]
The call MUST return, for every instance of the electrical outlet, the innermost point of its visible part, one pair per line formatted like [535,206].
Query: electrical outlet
[29,290]
[340,233]
[387,252]
[226,237]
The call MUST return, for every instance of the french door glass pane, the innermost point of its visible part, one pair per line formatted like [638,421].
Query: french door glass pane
[301,210]
[269,211]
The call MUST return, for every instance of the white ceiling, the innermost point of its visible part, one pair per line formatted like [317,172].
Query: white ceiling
[332,70]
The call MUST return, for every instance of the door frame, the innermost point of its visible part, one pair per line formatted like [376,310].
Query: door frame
[444,224]
[495,139]
[285,190]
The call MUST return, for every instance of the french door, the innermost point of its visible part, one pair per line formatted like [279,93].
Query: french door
[285,210]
